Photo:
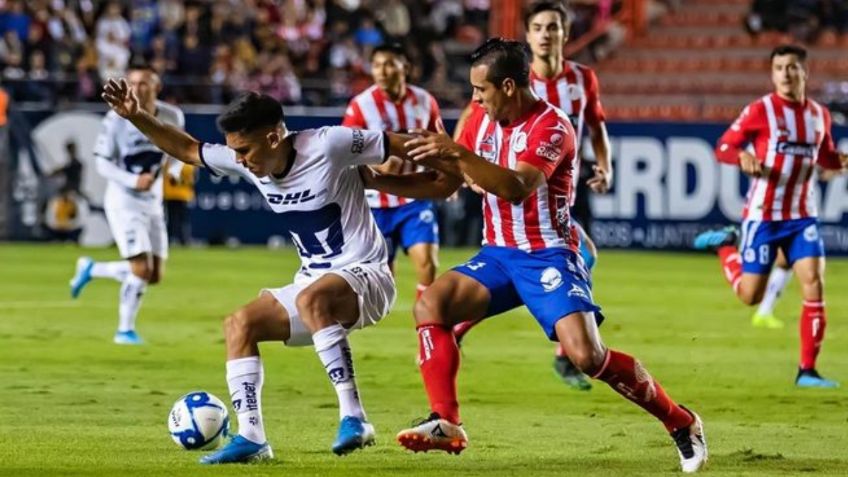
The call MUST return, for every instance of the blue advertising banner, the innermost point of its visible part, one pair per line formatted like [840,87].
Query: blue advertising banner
[668,186]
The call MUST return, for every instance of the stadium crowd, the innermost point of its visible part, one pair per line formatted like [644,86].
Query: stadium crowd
[309,52]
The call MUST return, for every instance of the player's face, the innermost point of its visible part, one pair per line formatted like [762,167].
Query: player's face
[788,75]
[546,34]
[492,98]
[388,70]
[256,150]
[145,84]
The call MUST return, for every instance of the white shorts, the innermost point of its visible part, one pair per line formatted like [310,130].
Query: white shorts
[138,231]
[372,283]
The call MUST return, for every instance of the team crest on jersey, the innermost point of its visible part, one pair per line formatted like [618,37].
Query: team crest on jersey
[519,143]
[551,279]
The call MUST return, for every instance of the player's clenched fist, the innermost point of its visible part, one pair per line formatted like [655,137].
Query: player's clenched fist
[121,97]
[750,165]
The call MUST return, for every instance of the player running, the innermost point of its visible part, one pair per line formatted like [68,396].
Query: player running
[132,166]
[520,151]
[790,135]
[573,88]
[392,104]
[310,179]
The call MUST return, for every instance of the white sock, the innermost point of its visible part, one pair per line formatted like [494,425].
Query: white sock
[245,377]
[132,289]
[333,349]
[114,270]
[777,281]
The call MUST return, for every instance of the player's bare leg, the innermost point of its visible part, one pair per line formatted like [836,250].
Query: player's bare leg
[778,278]
[263,319]
[451,298]
[425,260]
[810,273]
[579,335]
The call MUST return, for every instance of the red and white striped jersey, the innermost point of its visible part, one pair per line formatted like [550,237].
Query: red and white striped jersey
[789,139]
[575,91]
[373,109]
[545,139]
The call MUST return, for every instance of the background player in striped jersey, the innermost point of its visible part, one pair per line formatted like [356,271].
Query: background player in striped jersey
[790,134]
[573,88]
[132,166]
[520,150]
[392,104]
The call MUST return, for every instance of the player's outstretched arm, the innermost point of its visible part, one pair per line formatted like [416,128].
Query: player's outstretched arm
[176,143]
[418,185]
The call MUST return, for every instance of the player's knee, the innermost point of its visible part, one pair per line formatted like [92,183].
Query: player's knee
[426,309]
[313,306]
[751,297]
[587,358]
[237,325]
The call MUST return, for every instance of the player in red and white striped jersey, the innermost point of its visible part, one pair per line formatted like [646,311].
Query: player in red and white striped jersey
[392,104]
[573,88]
[791,139]
[520,150]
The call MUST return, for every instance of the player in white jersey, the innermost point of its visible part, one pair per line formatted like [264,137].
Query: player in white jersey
[392,104]
[311,179]
[132,166]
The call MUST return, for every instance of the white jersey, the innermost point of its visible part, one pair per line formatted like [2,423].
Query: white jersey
[320,198]
[129,153]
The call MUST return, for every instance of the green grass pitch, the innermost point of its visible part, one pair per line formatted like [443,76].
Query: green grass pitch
[72,403]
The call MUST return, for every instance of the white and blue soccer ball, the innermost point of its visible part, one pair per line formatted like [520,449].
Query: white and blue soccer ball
[198,420]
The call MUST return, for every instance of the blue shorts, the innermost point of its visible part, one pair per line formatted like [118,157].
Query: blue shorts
[760,242]
[407,225]
[553,283]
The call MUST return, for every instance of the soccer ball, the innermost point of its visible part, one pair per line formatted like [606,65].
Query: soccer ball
[198,420]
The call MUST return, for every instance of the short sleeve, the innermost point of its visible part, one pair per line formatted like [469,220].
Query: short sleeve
[549,142]
[353,117]
[106,145]
[354,147]
[220,160]
[594,111]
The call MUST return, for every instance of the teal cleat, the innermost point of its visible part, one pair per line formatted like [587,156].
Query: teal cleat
[713,239]
[810,378]
[127,338]
[354,433]
[82,275]
[239,451]
[570,375]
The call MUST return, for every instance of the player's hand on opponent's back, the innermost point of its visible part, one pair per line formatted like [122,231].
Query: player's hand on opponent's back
[121,98]
[601,181]
[144,182]
[750,165]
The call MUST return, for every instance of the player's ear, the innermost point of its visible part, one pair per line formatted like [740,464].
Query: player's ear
[509,87]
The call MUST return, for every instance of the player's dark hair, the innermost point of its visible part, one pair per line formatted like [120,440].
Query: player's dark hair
[796,50]
[547,6]
[505,59]
[392,49]
[249,112]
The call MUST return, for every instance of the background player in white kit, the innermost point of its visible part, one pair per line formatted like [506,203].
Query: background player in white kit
[132,166]
[311,179]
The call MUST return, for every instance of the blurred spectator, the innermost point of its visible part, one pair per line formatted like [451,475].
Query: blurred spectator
[178,193]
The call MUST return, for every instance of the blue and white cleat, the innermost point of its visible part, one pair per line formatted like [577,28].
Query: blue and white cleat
[239,451]
[713,239]
[82,275]
[127,338]
[810,378]
[354,433]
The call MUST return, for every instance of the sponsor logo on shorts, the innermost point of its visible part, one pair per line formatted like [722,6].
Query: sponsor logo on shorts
[426,216]
[811,233]
[551,279]
[474,265]
[750,255]
[578,292]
